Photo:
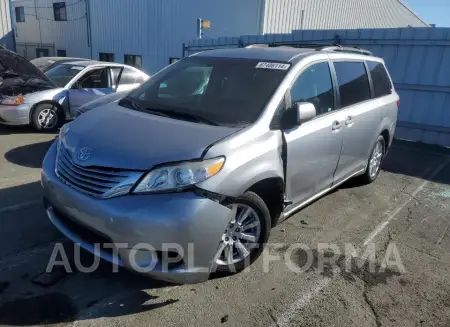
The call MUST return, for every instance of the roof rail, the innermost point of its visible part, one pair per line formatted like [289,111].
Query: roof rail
[340,48]
[258,45]
[316,46]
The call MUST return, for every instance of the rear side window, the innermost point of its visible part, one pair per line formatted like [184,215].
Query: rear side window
[353,82]
[381,83]
[128,77]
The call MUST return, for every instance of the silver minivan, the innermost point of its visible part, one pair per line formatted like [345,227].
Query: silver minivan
[188,173]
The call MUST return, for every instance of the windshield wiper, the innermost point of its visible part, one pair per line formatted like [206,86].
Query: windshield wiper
[176,114]
[130,104]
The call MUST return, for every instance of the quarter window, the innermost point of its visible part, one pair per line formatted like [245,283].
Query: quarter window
[381,83]
[129,76]
[59,11]
[20,14]
[353,82]
[315,86]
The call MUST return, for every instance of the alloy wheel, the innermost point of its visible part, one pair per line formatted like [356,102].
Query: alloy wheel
[48,118]
[375,159]
[240,236]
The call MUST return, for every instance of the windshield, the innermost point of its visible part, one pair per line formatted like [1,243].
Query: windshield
[62,74]
[220,90]
[42,63]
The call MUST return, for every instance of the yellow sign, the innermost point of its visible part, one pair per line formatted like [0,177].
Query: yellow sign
[206,24]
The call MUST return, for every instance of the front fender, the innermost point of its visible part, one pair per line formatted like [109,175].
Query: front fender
[58,95]
[247,162]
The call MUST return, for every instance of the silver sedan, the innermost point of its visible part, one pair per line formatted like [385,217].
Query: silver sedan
[27,96]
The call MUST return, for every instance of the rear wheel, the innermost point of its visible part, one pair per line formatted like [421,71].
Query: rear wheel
[46,117]
[245,235]
[374,163]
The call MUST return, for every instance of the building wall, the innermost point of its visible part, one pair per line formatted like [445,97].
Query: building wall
[283,16]
[41,28]
[6,32]
[156,29]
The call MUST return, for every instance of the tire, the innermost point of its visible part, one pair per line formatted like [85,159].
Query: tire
[39,113]
[254,202]
[369,175]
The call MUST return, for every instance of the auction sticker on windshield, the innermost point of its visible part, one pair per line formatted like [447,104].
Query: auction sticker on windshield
[272,65]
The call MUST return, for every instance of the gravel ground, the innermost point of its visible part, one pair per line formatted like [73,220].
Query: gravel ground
[404,215]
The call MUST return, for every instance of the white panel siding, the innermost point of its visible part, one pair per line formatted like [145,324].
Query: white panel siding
[283,16]
[156,29]
[40,27]
[6,37]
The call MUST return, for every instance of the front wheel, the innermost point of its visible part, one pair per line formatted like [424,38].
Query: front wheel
[46,117]
[245,235]
[374,163]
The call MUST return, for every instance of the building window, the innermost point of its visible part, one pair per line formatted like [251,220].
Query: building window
[108,57]
[133,60]
[41,52]
[59,10]
[61,53]
[20,14]
[173,60]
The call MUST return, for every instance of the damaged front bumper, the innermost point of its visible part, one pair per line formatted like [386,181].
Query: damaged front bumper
[188,222]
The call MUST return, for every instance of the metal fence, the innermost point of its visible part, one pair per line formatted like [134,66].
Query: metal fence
[417,58]
[34,50]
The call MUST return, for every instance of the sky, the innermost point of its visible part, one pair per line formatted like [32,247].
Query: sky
[431,11]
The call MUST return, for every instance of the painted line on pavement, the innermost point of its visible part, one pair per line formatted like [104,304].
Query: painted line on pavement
[306,297]
[383,225]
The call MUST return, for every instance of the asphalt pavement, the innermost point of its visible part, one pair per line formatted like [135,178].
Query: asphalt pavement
[404,215]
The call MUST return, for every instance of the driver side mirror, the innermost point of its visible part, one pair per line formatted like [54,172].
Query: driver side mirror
[299,113]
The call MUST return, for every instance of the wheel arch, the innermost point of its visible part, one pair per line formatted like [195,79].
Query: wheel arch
[387,138]
[55,103]
[271,191]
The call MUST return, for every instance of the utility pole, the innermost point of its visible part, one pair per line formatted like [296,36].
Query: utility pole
[202,24]
[88,26]
[39,23]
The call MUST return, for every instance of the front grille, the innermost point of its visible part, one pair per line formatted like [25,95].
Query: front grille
[97,182]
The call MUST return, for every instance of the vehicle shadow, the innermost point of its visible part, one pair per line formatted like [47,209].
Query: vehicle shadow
[418,160]
[30,155]
[11,130]
[415,160]
[61,296]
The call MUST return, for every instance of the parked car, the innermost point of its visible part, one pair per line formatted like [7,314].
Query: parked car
[28,96]
[47,63]
[212,168]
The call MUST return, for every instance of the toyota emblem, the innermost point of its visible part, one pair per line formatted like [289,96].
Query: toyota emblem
[84,154]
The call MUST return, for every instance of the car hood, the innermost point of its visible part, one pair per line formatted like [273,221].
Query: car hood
[122,138]
[16,70]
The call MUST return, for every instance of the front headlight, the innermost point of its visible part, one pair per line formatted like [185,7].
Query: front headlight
[13,100]
[179,176]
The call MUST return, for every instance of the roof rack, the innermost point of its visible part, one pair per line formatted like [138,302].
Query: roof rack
[340,48]
[316,46]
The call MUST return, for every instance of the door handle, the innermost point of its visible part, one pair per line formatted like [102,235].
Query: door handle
[336,125]
[349,121]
